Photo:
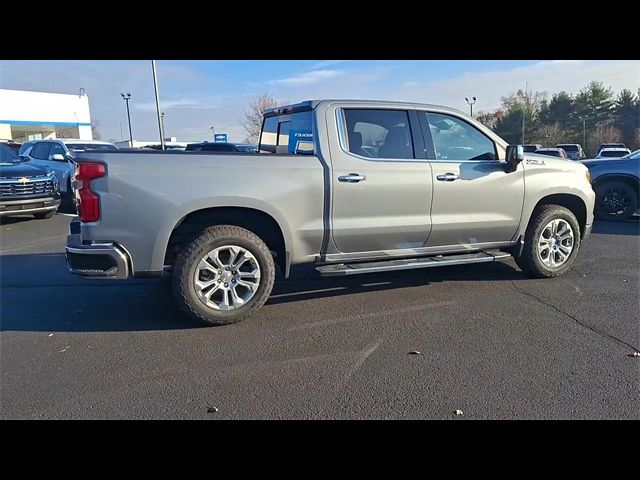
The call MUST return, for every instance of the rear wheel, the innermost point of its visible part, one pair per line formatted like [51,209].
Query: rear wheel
[223,275]
[615,201]
[551,242]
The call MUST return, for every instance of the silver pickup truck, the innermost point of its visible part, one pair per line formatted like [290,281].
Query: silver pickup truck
[338,187]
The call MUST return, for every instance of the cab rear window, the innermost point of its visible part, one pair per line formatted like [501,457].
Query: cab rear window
[288,134]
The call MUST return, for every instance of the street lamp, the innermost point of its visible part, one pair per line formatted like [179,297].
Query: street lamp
[584,133]
[471,103]
[126,98]
[164,132]
[213,132]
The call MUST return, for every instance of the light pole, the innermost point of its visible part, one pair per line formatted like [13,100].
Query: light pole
[471,103]
[213,132]
[155,86]
[584,133]
[164,132]
[126,98]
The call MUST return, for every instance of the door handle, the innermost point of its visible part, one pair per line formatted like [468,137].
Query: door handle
[448,177]
[352,178]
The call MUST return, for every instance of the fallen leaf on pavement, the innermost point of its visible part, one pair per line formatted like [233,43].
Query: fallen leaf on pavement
[212,409]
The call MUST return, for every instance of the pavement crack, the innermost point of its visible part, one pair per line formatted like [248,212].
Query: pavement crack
[575,319]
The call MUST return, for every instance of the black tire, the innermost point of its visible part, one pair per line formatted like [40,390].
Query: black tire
[615,201]
[182,278]
[529,261]
[45,215]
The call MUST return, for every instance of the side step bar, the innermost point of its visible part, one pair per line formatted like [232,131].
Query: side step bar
[342,269]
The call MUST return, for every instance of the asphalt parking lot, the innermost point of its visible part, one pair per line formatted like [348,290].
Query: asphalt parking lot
[494,344]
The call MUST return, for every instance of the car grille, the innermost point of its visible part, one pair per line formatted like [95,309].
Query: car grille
[31,188]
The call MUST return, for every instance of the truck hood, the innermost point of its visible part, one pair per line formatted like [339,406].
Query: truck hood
[21,169]
[555,163]
[600,161]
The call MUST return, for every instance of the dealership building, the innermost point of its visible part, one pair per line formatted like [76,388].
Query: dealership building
[27,115]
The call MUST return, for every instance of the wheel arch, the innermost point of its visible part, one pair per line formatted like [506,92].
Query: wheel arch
[257,221]
[574,203]
[633,182]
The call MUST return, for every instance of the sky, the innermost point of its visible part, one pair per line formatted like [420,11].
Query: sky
[195,95]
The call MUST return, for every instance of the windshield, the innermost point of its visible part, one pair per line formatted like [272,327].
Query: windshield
[634,155]
[90,146]
[569,148]
[613,153]
[553,153]
[7,155]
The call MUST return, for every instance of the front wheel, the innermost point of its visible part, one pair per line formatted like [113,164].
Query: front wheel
[615,201]
[551,242]
[223,275]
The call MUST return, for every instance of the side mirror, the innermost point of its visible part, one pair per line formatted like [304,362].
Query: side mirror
[57,157]
[515,155]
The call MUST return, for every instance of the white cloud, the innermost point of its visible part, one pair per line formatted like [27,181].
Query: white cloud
[325,63]
[306,78]
[182,103]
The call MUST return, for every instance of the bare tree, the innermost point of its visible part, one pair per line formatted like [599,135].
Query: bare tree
[602,134]
[550,135]
[252,121]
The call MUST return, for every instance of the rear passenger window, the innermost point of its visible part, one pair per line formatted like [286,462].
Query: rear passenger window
[291,133]
[378,133]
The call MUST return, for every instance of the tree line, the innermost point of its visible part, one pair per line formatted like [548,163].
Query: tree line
[593,116]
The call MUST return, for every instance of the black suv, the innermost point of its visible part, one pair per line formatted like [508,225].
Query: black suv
[26,188]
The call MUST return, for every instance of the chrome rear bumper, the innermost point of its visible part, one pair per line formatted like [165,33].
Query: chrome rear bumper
[98,260]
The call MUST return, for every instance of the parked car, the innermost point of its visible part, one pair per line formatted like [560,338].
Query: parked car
[58,154]
[26,188]
[573,150]
[610,145]
[246,147]
[613,152]
[13,145]
[531,147]
[617,186]
[553,152]
[211,147]
[442,189]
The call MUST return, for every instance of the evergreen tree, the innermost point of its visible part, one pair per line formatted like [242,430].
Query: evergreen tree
[627,115]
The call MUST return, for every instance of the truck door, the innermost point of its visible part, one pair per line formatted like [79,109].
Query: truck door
[381,180]
[474,199]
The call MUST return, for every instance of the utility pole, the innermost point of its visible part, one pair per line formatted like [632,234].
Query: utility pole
[126,98]
[155,86]
[524,108]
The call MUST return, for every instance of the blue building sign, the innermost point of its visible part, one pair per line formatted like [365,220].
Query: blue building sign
[220,138]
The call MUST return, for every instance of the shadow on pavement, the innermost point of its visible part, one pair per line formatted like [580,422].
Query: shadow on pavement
[39,294]
[298,290]
[607,227]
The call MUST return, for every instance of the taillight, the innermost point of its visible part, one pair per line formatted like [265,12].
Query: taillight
[87,201]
